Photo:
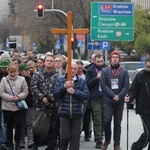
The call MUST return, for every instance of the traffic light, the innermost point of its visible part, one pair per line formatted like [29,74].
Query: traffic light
[40,10]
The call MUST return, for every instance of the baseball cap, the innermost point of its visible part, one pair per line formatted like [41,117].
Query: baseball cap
[4,63]
[23,66]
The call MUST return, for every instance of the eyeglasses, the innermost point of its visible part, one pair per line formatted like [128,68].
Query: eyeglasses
[115,57]
[57,60]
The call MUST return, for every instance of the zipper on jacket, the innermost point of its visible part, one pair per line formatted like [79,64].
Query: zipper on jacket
[70,105]
[147,88]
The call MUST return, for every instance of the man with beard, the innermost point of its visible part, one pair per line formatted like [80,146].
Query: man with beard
[93,77]
[140,90]
[114,82]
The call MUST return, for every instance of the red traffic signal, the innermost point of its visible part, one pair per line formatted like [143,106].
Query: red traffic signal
[40,10]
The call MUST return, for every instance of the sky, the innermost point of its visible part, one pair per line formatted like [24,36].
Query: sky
[4,8]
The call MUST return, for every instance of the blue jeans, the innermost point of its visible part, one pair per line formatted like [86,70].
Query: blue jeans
[3,139]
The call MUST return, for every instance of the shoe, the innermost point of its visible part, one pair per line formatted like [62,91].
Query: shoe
[117,148]
[10,146]
[17,147]
[30,146]
[86,139]
[98,145]
[22,145]
[4,147]
[49,148]
[105,145]
[34,147]
[135,147]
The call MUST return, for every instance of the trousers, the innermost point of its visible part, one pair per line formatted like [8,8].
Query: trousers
[70,132]
[144,139]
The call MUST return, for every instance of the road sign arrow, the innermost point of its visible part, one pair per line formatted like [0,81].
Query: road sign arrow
[94,16]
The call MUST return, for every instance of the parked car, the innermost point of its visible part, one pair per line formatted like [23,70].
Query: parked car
[131,66]
[85,62]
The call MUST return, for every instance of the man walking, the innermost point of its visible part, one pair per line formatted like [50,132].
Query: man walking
[71,95]
[114,82]
[42,90]
[140,90]
[93,77]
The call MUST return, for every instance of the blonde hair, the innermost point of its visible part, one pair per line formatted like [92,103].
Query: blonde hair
[12,66]
[30,62]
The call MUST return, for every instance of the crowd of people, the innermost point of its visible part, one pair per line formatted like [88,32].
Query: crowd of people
[96,93]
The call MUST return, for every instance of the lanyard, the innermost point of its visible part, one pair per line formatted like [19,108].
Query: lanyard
[115,73]
[96,70]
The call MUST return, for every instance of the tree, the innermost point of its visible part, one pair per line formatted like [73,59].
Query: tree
[141,31]
[141,44]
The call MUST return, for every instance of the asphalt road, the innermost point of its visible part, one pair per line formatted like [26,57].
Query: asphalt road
[135,130]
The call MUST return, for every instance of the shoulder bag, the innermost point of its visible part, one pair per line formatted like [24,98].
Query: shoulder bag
[41,122]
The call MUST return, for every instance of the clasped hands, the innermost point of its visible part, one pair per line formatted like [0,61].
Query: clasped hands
[15,98]
[69,85]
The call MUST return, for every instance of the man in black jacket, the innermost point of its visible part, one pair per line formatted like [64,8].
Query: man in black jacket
[140,90]
[93,77]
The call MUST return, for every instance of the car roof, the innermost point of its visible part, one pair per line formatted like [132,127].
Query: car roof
[130,62]
[135,73]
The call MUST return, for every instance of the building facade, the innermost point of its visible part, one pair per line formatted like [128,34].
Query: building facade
[145,4]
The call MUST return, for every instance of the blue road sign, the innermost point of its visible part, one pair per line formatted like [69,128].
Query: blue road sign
[80,44]
[57,46]
[97,45]
[119,9]
[33,44]
[60,40]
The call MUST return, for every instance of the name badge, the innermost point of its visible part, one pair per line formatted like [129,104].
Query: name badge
[114,84]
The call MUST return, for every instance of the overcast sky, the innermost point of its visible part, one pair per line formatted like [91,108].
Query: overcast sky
[4,8]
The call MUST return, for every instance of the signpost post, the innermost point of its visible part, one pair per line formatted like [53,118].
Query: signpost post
[112,21]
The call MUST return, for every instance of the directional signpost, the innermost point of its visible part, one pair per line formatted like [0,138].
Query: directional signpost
[112,21]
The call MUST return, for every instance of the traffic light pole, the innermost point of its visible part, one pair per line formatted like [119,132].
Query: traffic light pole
[57,10]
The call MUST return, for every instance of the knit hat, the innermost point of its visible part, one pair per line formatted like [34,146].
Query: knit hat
[23,66]
[5,56]
[115,52]
[4,63]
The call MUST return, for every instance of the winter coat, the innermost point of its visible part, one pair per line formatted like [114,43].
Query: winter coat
[20,89]
[29,98]
[71,107]
[123,83]
[42,83]
[92,82]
